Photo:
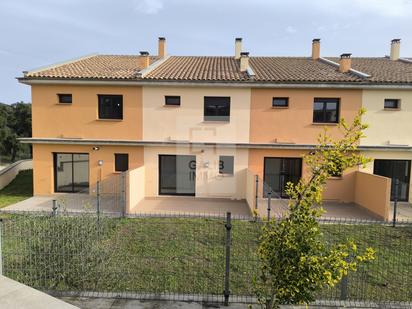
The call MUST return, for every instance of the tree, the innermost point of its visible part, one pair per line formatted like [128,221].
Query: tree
[296,261]
[15,122]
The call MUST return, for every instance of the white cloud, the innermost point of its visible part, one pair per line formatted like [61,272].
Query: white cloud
[148,6]
[290,29]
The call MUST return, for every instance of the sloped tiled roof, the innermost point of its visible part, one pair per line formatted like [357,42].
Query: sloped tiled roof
[192,68]
[382,69]
[297,69]
[98,66]
[227,69]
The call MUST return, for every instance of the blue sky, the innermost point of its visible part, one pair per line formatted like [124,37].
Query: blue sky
[40,32]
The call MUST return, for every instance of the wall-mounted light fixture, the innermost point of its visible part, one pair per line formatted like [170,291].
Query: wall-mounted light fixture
[96,148]
[100,162]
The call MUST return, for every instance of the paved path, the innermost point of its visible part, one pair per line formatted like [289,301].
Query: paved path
[14,295]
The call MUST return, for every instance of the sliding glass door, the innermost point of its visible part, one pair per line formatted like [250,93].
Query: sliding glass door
[395,169]
[278,172]
[177,175]
[71,172]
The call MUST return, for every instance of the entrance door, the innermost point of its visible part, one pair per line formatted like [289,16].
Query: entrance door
[278,172]
[177,175]
[71,172]
[395,169]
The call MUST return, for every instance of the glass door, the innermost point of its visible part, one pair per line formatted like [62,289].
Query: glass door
[278,172]
[177,175]
[395,169]
[71,172]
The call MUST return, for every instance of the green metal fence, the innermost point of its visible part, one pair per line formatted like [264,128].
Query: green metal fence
[204,258]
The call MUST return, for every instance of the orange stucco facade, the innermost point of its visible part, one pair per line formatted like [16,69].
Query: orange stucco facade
[80,118]
[294,124]
[43,162]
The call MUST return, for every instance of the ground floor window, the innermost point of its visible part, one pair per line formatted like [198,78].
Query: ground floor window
[278,172]
[395,169]
[121,162]
[71,172]
[177,175]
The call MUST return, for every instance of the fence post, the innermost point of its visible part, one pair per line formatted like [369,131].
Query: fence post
[54,208]
[395,202]
[228,227]
[123,193]
[344,288]
[1,247]
[256,191]
[98,200]
[269,203]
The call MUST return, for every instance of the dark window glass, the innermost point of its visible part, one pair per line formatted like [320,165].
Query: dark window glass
[110,106]
[71,172]
[226,164]
[391,103]
[121,162]
[326,110]
[65,98]
[217,109]
[280,102]
[172,100]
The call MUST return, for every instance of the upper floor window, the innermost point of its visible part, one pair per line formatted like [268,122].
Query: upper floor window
[110,106]
[391,104]
[217,109]
[280,102]
[226,165]
[172,100]
[121,162]
[326,110]
[65,98]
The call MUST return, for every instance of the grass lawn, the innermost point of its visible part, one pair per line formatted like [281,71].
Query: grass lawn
[182,256]
[19,189]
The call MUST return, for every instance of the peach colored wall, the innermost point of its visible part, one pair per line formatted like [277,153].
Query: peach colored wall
[43,177]
[294,124]
[338,189]
[135,188]
[186,122]
[80,119]
[373,193]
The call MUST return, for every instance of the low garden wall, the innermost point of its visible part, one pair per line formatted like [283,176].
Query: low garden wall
[135,188]
[10,172]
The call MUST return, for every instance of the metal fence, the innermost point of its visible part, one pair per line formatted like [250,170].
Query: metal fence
[105,196]
[204,258]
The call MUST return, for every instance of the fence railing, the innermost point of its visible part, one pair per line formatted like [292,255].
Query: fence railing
[202,258]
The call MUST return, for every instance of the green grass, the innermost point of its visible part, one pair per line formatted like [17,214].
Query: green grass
[181,255]
[19,189]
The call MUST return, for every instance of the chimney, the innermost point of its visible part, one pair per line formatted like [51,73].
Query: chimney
[145,59]
[395,49]
[345,63]
[238,47]
[315,49]
[162,47]
[244,61]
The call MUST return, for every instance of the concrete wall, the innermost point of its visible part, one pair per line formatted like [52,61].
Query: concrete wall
[43,177]
[80,119]
[209,183]
[10,172]
[393,126]
[185,122]
[373,193]
[389,155]
[135,188]
[295,123]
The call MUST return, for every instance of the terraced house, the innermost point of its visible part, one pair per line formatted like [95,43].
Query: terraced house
[208,127]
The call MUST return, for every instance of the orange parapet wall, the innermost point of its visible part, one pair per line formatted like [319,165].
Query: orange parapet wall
[294,124]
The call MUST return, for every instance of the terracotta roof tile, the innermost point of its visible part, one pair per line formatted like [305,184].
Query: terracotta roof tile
[193,68]
[297,69]
[99,66]
[227,69]
[382,69]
